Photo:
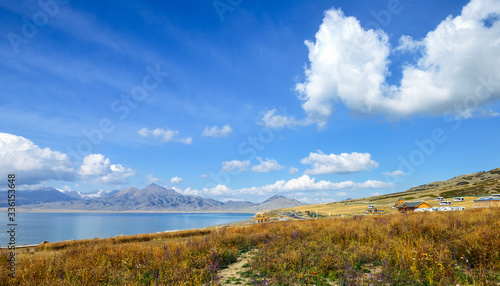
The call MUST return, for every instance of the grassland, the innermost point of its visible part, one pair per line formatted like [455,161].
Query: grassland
[471,187]
[439,248]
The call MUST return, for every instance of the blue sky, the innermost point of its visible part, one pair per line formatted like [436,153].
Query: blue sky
[247,99]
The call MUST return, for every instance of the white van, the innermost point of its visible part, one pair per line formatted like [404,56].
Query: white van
[461,199]
[438,199]
[445,203]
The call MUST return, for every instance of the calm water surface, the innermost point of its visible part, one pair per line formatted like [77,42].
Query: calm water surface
[33,228]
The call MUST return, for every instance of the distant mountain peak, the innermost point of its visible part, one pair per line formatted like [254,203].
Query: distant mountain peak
[273,198]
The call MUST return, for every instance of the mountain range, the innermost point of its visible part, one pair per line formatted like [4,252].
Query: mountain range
[150,198]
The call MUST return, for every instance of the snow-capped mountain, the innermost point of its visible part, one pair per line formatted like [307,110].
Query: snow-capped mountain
[88,195]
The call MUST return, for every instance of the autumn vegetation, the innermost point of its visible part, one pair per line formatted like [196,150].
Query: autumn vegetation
[438,248]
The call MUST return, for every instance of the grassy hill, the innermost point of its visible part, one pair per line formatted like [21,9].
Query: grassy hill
[470,187]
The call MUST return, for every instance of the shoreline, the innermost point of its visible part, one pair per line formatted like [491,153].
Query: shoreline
[4,210]
[243,222]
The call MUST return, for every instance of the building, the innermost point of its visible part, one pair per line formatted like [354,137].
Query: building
[487,202]
[403,206]
[375,210]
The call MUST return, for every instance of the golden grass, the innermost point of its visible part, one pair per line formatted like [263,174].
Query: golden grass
[439,248]
[359,206]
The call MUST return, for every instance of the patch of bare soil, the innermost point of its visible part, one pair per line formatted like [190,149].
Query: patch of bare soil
[232,275]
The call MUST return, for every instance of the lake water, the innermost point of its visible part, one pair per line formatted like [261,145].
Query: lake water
[33,228]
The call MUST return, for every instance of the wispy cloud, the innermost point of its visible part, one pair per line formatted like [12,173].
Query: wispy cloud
[396,173]
[163,135]
[268,165]
[301,184]
[214,131]
[235,165]
[273,120]
[176,180]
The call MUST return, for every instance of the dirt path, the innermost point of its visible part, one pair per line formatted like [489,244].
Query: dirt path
[232,274]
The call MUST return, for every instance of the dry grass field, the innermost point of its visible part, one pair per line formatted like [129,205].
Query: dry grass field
[471,187]
[439,248]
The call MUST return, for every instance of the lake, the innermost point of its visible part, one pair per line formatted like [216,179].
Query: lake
[33,228]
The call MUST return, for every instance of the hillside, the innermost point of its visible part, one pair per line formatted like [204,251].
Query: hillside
[470,186]
[44,195]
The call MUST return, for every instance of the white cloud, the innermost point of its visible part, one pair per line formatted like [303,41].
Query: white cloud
[94,165]
[30,162]
[230,166]
[164,135]
[117,175]
[176,180]
[188,141]
[296,185]
[151,179]
[271,120]
[203,176]
[338,164]
[266,166]
[292,170]
[376,194]
[458,67]
[99,169]
[36,165]
[217,132]
[396,173]
[341,194]
[186,191]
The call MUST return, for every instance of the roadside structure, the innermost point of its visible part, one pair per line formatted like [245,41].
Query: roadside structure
[487,202]
[403,206]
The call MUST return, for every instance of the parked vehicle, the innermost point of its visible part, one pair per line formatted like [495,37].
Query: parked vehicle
[438,199]
[461,199]
[445,203]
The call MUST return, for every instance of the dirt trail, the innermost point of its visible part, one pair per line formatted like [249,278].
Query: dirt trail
[232,274]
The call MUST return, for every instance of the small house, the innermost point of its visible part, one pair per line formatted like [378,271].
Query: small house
[487,202]
[403,206]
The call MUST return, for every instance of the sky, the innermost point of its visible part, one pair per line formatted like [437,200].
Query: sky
[242,100]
